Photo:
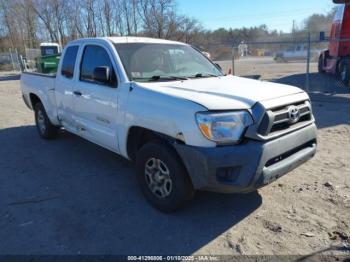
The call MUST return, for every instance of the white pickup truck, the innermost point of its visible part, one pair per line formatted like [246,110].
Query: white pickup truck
[295,53]
[167,107]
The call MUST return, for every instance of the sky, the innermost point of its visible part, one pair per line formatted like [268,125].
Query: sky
[276,14]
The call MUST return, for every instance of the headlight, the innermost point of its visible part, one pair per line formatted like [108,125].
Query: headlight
[224,128]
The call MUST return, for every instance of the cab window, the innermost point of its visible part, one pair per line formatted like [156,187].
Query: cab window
[68,62]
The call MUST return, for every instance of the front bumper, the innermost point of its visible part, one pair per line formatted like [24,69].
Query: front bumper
[249,166]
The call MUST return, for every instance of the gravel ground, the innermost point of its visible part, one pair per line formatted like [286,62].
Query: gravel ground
[68,196]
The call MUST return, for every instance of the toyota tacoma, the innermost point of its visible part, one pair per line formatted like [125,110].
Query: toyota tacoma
[168,108]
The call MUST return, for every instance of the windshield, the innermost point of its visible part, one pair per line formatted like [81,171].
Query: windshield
[49,50]
[156,62]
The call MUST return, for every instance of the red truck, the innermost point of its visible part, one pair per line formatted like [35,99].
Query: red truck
[336,59]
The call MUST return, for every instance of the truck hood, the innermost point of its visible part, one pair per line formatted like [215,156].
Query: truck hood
[223,93]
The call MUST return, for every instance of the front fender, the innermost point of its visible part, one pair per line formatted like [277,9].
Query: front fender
[163,114]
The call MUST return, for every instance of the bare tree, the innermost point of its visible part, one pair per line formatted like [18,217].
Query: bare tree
[187,29]
[118,17]
[108,16]
[7,20]
[44,11]
[77,19]
[159,17]
[29,22]
[90,22]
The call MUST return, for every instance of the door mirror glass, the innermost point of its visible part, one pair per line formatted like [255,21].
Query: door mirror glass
[341,1]
[102,74]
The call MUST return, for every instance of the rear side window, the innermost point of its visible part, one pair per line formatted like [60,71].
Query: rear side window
[93,57]
[69,61]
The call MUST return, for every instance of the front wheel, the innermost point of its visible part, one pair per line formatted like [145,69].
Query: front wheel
[45,129]
[162,177]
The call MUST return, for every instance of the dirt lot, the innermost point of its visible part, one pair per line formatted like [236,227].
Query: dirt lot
[69,196]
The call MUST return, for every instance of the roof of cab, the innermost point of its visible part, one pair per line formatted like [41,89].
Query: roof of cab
[131,39]
[49,44]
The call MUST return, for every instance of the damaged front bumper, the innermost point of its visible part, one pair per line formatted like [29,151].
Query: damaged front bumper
[246,167]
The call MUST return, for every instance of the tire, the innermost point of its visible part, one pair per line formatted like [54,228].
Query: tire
[344,71]
[162,177]
[45,129]
[320,65]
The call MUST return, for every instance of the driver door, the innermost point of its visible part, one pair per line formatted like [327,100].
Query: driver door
[95,103]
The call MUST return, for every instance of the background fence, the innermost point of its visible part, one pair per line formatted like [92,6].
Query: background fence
[10,61]
[292,61]
[30,58]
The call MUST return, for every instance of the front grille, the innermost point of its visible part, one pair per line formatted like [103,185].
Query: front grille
[279,119]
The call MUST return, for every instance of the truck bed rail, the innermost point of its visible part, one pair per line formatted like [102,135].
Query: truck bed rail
[39,74]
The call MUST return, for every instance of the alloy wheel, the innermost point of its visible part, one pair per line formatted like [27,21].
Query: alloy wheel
[158,179]
[41,121]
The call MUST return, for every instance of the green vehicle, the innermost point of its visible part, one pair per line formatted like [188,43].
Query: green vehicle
[50,57]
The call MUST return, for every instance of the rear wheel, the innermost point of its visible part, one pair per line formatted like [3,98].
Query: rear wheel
[344,71]
[162,177]
[320,65]
[45,129]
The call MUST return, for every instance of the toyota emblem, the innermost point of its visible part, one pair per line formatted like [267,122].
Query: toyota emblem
[293,114]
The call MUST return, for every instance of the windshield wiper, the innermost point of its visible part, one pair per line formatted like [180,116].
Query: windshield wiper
[201,75]
[159,77]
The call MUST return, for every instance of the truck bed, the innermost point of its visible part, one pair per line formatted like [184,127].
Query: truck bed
[40,85]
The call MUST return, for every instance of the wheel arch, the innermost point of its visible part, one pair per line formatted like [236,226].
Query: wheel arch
[138,136]
[34,99]
[42,98]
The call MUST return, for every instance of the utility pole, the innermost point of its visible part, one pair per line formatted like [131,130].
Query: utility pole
[233,60]
[13,63]
[308,63]
[293,31]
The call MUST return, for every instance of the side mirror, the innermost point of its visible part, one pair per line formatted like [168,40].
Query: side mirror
[102,74]
[67,72]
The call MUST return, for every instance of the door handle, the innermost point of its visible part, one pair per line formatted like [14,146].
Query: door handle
[77,93]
